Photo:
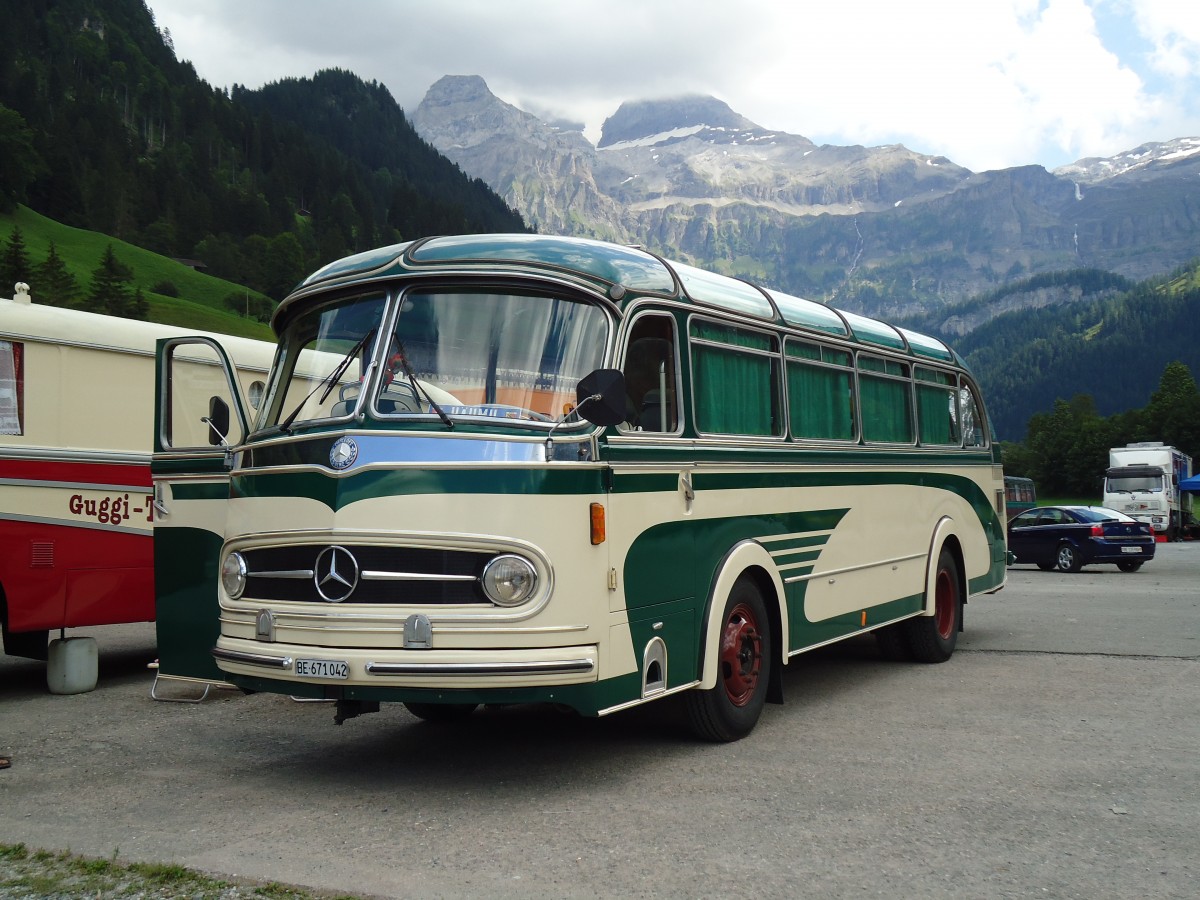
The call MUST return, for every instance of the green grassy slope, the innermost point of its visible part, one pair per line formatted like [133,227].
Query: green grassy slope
[201,301]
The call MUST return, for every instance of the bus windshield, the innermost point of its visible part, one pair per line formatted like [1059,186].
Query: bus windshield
[514,357]
[323,355]
[450,355]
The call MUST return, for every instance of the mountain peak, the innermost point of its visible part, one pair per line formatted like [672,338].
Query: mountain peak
[450,89]
[639,119]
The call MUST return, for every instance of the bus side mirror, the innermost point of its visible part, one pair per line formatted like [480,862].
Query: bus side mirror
[217,421]
[600,397]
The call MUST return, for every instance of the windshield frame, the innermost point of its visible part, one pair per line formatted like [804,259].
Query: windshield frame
[455,408]
[371,368]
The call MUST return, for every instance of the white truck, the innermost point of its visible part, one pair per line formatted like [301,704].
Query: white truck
[1142,481]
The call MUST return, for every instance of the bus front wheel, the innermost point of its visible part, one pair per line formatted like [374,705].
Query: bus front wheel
[932,638]
[730,709]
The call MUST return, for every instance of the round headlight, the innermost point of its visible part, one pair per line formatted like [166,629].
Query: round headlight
[509,580]
[233,575]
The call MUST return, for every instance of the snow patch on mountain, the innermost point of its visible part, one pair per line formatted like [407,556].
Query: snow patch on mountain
[1095,169]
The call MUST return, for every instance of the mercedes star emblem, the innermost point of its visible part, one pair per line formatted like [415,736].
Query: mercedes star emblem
[335,574]
[343,452]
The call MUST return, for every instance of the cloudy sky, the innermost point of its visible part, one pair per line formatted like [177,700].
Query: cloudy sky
[987,83]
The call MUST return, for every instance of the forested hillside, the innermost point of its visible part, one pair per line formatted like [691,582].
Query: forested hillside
[102,128]
[1113,348]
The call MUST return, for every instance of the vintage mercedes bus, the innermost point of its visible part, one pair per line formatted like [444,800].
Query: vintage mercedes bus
[76,427]
[500,469]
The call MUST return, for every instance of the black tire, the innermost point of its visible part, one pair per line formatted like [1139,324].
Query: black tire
[441,712]
[893,643]
[932,638]
[1130,565]
[731,708]
[1066,558]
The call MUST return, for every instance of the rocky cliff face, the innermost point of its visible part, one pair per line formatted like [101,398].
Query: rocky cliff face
[883,230]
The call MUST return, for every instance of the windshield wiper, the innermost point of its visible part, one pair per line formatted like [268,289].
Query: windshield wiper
[416,385]
[328,381]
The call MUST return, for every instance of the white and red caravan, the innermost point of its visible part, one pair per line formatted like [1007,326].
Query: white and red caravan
[76,496]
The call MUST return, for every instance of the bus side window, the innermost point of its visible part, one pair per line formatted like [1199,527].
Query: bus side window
[650,376]
[972,422]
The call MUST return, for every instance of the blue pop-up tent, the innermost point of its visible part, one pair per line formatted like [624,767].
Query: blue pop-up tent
[1192,485]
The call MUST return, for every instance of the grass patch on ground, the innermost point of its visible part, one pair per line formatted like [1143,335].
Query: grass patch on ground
[36,874]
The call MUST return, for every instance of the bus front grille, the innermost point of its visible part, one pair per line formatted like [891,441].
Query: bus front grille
[336,573]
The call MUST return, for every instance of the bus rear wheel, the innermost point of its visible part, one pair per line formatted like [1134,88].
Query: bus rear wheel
[932,638]
[730,709]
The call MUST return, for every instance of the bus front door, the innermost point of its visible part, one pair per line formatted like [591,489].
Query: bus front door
[200,416]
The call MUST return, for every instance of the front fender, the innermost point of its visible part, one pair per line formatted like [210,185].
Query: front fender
[743,556]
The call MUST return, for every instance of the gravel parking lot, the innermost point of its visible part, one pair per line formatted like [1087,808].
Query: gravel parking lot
[1054,756]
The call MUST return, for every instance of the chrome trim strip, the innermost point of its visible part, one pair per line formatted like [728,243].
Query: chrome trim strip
[350,625]
[53,454]
[252,659]
[413,576]
[650,699]
[871,565]
[875,626]
[558,667]
[283,573]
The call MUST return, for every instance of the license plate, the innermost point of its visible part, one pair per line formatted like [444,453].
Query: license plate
[323,668]
[1131,549]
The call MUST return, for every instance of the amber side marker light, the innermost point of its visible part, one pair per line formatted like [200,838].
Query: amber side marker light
[597,514]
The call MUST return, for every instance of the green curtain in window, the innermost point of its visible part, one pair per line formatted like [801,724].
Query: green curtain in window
[935,418]
[733,392]
[820,402]
[886,410]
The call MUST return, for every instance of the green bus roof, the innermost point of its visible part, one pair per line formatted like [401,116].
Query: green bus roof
[627,273]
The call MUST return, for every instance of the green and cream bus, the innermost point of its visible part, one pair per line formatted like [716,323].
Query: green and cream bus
[499,469]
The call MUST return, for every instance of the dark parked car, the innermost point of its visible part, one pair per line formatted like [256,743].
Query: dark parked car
[1068,538]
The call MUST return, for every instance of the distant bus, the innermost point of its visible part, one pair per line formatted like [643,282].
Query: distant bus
[512,468]
[1019,494]
[76,504]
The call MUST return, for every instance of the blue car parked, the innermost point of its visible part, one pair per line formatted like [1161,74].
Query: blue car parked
[1068,538]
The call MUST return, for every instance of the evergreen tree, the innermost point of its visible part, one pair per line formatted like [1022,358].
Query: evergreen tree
[1069,449]
[110,286]
[22,164]
[14,264]
[140,308]
[1173,414]
[52,282]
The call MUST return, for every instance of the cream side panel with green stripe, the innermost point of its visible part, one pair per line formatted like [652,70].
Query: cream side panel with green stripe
[881,549]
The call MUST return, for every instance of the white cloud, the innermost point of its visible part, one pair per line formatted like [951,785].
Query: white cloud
[989,83]
[1173,28]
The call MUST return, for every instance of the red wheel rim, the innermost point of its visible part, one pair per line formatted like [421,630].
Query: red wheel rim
[741,655]
[946,599]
